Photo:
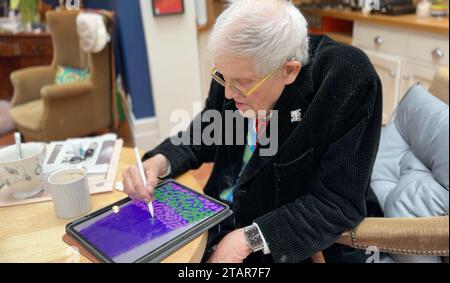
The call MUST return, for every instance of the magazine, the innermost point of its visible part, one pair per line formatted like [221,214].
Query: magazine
[94,154]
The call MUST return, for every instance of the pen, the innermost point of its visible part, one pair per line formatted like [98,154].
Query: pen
[144,180]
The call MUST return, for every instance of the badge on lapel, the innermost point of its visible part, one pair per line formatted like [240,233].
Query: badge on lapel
[296,116]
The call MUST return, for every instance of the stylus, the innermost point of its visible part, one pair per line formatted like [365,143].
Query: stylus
[137,156]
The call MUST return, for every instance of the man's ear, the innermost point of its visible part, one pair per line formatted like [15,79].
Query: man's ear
[290,71]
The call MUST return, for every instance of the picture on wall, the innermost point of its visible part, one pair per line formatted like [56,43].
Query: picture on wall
[4,8]
[167,7]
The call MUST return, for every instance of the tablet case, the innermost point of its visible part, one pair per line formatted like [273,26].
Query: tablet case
[72,242]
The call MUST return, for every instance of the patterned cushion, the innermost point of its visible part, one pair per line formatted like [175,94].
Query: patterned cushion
[67,75]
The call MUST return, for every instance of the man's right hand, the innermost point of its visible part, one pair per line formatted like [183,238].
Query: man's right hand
[132,182]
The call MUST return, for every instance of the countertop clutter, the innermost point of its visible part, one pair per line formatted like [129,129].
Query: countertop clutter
[437,25]
[404,49]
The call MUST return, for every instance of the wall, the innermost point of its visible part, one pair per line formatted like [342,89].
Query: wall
[206,62]
[174,62]
[133,51]
[134,68]
[161,65]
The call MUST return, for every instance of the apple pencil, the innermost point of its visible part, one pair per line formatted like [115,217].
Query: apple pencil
[144,180]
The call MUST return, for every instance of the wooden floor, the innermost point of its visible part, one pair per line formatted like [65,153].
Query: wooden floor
[202,174]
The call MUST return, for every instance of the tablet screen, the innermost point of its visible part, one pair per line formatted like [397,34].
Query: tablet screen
[127,232]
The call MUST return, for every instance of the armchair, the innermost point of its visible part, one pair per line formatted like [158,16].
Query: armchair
[44,111]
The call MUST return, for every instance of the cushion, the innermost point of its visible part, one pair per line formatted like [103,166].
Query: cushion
[67,75]
[411,172]
[422,120]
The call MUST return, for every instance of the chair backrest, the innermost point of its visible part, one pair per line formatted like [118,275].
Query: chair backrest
[67,53]
[66,47]
[440,83]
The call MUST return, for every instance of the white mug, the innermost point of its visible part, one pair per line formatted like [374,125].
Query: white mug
[69,189]
[22,176]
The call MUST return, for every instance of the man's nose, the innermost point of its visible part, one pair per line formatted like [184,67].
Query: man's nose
[229,93]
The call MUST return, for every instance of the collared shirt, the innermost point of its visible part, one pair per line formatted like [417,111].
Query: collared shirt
[250,147]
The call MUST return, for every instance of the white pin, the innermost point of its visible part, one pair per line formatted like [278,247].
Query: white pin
[296,116]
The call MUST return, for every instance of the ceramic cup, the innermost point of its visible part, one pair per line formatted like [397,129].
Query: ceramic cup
[69,189]
[22,176]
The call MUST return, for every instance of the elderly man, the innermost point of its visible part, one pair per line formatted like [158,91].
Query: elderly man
[327,97]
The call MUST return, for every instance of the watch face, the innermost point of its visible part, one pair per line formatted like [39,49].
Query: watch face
[254,238]
[253,235]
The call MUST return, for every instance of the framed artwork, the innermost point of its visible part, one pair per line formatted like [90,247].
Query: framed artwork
[167,7]
[4,8]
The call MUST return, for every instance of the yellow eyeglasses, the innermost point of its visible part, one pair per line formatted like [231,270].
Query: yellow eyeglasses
[216,76]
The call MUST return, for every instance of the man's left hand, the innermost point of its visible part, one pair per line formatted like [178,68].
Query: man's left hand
[232,249]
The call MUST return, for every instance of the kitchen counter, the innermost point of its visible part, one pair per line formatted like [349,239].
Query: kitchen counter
[429,24]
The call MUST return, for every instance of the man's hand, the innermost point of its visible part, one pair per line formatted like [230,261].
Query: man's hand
[232,249]
[132,182]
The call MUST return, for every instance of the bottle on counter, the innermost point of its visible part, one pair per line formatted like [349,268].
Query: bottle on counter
[423,8]
[439,8]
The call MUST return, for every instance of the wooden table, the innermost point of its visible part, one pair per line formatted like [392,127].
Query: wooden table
[33,233]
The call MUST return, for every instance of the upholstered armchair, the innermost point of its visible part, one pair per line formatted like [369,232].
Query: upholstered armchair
[416,235]
[44,111]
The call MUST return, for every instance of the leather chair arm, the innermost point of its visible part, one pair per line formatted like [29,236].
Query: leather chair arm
[413,236]
[56,92]
[28,83]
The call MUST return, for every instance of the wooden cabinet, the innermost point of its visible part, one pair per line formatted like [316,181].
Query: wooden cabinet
[415,72]
[21,51]
[402,57]
[389,70]
[429,48]
[379,38]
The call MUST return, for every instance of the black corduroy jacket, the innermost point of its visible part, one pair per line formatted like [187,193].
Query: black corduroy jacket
[316,186]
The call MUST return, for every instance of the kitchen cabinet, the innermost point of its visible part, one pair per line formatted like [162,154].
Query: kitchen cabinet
[415,72]
[402,57]
[389,70]
[18,51]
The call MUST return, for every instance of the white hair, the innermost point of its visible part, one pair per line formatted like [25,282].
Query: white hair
[271,32]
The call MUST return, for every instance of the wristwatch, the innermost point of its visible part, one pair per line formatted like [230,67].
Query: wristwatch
[254,238]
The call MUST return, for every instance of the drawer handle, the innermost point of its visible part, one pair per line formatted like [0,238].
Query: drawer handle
[437,53]
[392,74]
[378,40]
[406,77]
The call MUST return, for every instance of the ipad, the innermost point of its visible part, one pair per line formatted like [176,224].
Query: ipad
[125,232]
